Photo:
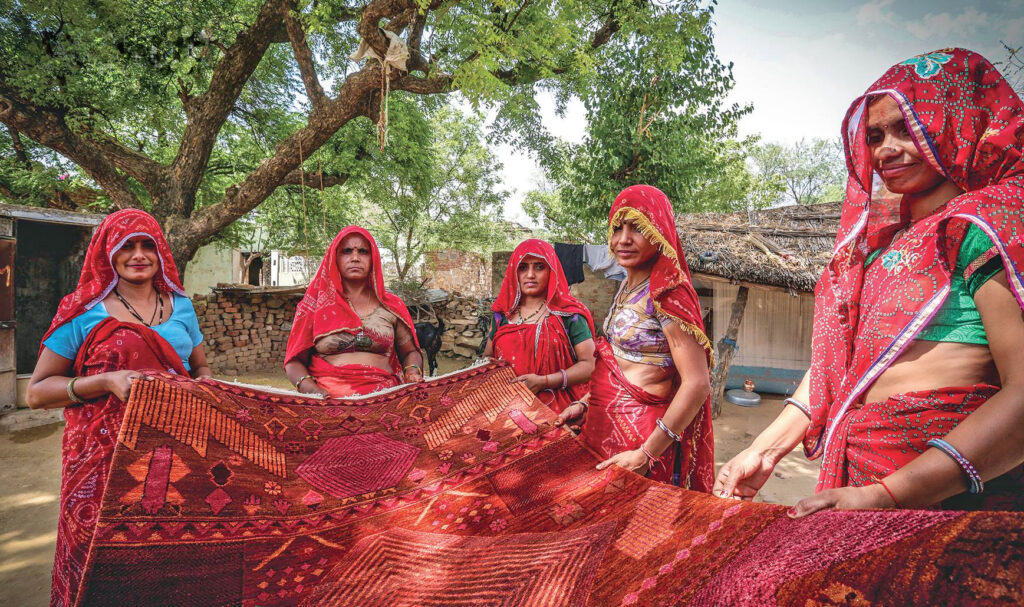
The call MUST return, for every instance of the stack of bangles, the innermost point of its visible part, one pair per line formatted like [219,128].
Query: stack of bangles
[565,380]
[670,433]
[974,484]
[72,395]
[405,369]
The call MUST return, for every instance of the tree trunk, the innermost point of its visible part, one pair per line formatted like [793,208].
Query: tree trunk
[726,350]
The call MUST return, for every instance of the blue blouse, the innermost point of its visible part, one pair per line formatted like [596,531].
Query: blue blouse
[181,330]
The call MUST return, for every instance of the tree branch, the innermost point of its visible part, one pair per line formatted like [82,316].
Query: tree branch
[304,57]
[206,113]
[312,179]
[47,127]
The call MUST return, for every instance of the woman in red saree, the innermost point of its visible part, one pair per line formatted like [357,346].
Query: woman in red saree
[915,395]
[350,336]
[539,327]
[649,408]
[128,314]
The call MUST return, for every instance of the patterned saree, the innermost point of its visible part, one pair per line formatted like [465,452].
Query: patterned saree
[968,124]
[324,311]
[92,427]
[543,347]
[622,415]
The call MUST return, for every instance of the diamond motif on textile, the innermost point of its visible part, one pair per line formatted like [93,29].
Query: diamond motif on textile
[347,466]
[275,428]
[351,423]
[218,499]
[311,428]
[220,474]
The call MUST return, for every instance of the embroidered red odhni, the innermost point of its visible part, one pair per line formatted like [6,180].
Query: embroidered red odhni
[460,491]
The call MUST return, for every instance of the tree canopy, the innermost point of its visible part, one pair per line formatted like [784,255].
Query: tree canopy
[200,111]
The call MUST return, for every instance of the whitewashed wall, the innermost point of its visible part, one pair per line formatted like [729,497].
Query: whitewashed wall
[776,327]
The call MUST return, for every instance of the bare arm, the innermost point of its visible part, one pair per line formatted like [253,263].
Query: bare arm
[410,357]
[744,475]
[695,385]
[197,361]
[296,369]
[48,386]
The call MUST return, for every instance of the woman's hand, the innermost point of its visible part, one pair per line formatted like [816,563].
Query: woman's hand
[634,461]
[412,376]
[744,475]
[535,383]
[845,498]
[309,386]
[572,417]
[119,383]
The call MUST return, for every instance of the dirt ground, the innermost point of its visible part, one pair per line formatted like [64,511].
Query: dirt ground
[30,488]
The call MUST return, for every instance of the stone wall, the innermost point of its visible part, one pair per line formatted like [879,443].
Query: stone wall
[245,330]
[462,336]
[457,272]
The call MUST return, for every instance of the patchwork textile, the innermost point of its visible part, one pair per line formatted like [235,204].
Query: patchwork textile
[460,491]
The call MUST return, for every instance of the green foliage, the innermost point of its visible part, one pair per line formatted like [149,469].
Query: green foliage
[656,115]
[439,190]
[806,172]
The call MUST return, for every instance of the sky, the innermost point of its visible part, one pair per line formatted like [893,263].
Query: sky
[801,63]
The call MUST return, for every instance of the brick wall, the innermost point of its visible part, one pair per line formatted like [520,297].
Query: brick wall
[596,292]
[245,330]
[457,272]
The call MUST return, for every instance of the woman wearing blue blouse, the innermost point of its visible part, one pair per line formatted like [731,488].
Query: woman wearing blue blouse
[129,314]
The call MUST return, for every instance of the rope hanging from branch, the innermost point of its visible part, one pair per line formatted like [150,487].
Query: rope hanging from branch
[394,59]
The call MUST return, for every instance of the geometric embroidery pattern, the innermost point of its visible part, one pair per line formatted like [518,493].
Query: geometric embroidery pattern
[191,420]
[404,568]
[347,466]
[507,510]
[490,398]
[651,523]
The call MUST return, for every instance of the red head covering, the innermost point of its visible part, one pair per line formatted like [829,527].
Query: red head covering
[559,300]
[98,274]
[671,286]
[968,124]
[324,310]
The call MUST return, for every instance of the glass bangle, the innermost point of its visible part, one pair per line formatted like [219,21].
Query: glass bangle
[974,483]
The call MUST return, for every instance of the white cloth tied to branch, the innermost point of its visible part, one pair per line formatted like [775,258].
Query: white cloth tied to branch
[396,57]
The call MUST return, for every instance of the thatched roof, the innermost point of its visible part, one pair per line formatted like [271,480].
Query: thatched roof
[784,247]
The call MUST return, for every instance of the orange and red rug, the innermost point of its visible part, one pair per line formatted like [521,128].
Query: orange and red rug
[460,491]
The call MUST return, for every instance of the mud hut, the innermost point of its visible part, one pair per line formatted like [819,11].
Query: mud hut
[760,268]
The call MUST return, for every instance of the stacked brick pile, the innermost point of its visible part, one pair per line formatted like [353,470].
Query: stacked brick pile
[463,335]
[245,330]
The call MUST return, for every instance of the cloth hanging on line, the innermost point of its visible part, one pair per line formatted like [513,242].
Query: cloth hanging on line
[571,257]
[599,257]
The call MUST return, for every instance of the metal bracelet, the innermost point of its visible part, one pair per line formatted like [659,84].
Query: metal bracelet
[799,405]
[973,478]
[565,379]
[670,433]
[407,367]
[299,381]
[75,398]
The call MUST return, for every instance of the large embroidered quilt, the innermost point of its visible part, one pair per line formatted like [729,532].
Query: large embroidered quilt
[460,491]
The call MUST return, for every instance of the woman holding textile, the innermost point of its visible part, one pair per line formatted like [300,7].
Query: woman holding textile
[915,396]
[539,327]
[649,408]
[129,313]
[350,336]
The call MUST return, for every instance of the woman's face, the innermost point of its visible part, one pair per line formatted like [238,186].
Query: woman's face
[354,259]
[533,273]
[893,154]
[137,261]
[631,248]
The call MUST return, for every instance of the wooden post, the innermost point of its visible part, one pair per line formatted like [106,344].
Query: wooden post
[726,350]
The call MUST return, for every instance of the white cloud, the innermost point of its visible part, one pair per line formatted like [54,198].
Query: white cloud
[874,12]
[1013,31]
[946,24]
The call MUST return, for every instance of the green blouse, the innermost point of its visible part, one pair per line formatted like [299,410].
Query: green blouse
[958,320]
[575,326]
